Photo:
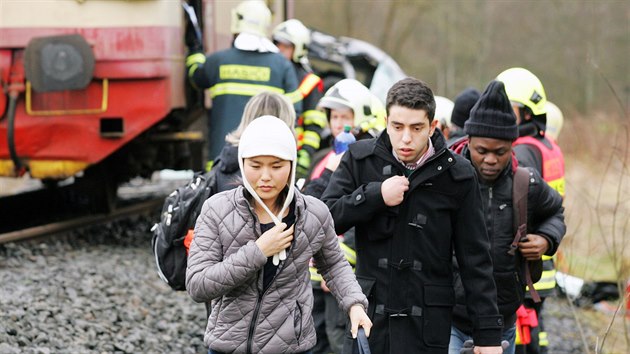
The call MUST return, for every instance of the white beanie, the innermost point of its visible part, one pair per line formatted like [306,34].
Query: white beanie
[269,136]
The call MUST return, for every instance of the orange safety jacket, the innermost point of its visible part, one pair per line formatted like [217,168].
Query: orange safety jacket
[553,173]
[553,162]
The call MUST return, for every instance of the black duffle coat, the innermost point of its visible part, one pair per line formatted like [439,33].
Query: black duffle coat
[404,253]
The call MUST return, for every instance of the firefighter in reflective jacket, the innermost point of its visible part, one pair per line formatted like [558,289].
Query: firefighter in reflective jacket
[329,322]
[293,38]
[234,75]
[533,149]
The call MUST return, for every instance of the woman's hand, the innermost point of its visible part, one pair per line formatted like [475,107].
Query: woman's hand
[358,317]
[275,239]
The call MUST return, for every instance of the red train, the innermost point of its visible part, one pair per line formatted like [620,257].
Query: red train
[98,87]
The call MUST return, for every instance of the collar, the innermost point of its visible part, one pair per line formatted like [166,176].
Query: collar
[413,166]
[253,43]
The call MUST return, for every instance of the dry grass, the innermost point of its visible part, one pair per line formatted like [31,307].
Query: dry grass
[597,204]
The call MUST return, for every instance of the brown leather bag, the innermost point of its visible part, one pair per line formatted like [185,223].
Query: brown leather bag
[531,269]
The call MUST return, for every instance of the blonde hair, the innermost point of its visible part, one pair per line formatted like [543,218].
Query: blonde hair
[264,103]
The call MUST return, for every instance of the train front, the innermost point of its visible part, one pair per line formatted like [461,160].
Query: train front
[84,81]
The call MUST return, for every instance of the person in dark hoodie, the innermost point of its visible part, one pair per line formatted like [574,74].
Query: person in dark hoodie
[492,129]
[464,101]
[412,202]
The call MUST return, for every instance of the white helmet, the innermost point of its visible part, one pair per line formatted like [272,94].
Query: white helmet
[443,111]
[251,16]
[351,94]
[293,31]
[555,119]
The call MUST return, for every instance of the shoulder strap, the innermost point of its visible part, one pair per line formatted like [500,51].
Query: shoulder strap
[520,191]
[520,188]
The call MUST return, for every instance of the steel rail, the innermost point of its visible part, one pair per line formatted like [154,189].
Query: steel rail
[66,225]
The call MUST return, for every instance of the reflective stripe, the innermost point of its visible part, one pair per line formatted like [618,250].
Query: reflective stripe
[234,88]
[244,72]
[542,339]
[299,132]
[311,139]
[558,185]
[308,84]
[315,276]
[197,58]
[304,159]
[547,280]
[315,117]
[349,253]
[546,258]
[294,96]
[192,69]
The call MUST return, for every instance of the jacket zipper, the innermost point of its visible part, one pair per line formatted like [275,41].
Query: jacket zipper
[252,325]
[490,223]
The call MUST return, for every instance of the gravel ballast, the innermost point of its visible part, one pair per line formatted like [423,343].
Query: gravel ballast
[96,290]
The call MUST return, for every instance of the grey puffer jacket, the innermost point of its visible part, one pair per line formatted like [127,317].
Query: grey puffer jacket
[226,266]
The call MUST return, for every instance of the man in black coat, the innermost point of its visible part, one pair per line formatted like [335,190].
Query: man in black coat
[492,129]
[412,202]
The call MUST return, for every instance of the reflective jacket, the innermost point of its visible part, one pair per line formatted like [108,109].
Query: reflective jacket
[404,252]
[312,121]
[233,77]
[319,179]
[546,157]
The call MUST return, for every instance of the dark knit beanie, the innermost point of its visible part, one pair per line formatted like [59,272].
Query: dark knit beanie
[492,116]
[463,103]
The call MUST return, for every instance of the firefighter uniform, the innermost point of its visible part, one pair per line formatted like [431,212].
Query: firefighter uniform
[233,76]
[312,121]
[293,39]
[545,155]
[533,149]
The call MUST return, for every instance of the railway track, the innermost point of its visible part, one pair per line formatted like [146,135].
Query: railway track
[134,208]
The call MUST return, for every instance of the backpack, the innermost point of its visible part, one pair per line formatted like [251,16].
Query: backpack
[173,233]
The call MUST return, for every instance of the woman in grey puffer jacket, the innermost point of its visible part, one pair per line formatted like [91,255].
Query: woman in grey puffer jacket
[251,252]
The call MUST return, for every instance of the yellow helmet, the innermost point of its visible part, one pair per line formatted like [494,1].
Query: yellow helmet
[555,119]
[251,16]
[378,122]
[525,88]
[293,31]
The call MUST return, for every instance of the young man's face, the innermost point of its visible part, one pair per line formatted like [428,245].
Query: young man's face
[409,131]
[339,118]
[489,156]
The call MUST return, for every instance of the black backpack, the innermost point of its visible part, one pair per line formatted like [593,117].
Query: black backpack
[179,214]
